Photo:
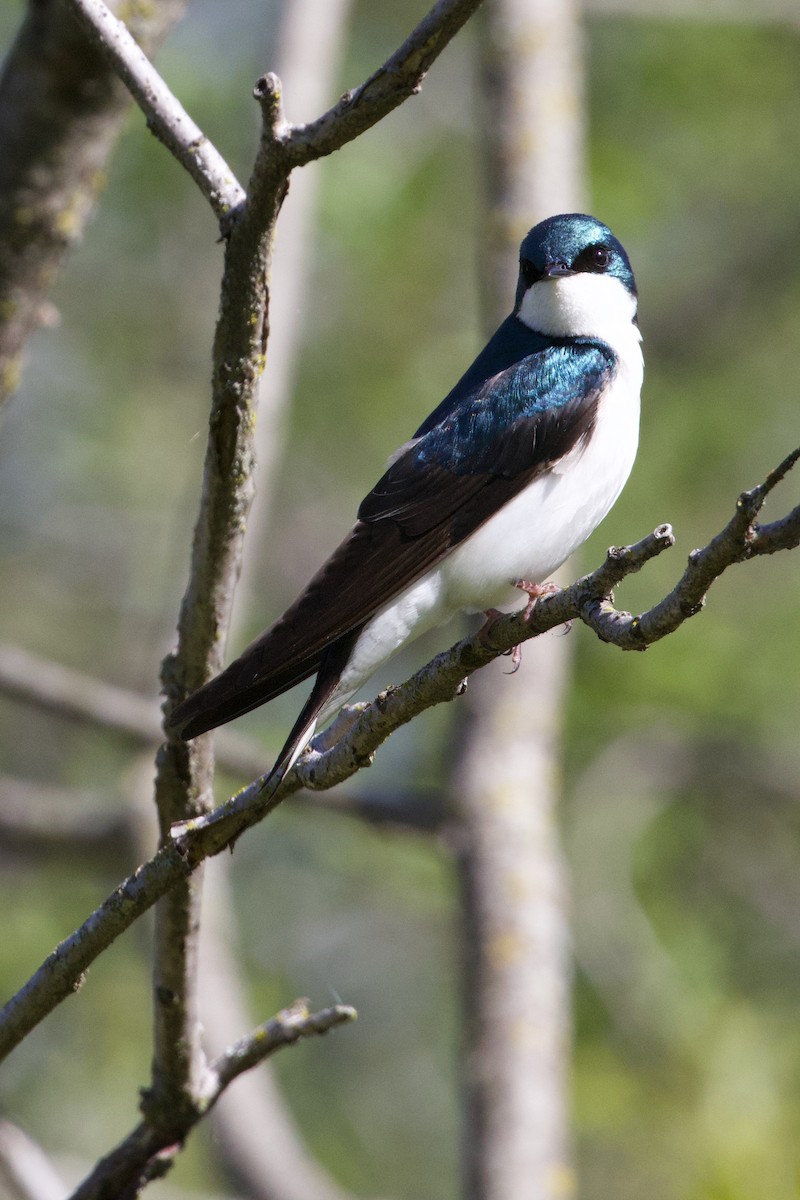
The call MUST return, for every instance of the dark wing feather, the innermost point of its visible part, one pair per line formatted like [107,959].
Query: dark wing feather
[490,444]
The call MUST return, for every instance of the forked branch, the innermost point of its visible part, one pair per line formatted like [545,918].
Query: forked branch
[149,1150]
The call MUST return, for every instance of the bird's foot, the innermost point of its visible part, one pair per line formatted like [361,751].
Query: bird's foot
[534,592]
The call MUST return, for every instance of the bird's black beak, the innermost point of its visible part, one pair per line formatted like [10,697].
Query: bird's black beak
[557,269]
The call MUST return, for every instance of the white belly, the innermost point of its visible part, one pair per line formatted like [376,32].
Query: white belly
[528,539]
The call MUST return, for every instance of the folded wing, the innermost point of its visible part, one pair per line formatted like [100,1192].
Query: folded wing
[487,445]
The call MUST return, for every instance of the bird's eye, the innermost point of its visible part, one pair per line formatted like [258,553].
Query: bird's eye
[594,258]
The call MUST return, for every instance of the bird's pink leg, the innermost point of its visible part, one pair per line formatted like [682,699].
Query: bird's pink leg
[533,592]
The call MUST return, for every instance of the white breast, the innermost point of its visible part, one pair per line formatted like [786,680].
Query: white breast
[538,530]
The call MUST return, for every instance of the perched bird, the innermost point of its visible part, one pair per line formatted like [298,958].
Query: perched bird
[498,486]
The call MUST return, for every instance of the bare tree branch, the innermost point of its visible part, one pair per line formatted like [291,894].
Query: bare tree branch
[62,972]
[288,146]
[36,819]
[351,741]
[173,126]
[400,76]
[69,693]
[184,774]
[148,1152]
[284,1030]
[740,540]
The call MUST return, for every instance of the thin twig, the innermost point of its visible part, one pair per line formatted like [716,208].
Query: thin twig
[400,76]
[287,1028]
[167,117]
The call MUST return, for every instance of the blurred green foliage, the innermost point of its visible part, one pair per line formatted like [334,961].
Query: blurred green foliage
[687,1067]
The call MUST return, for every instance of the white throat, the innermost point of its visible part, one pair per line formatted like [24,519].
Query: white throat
[582,305]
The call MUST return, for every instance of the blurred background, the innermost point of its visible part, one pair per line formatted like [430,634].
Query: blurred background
[680,816]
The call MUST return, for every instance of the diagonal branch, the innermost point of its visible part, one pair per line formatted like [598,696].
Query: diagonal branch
[740,540]
[62,972]
[287,1028]
[173,126]
[350,743]
[400,76]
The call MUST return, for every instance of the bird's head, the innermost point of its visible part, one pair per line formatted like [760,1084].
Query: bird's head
[575,280]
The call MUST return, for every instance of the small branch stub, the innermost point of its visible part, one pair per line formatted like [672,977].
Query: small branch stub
[268,91]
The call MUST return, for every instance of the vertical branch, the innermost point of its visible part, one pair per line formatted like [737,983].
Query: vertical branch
[185,772]
[310,43]
[308,54]
[505,785]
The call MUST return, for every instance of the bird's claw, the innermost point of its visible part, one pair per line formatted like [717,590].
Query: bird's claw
[516,658]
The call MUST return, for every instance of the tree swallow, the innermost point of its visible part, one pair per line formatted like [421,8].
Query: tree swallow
[503,481]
